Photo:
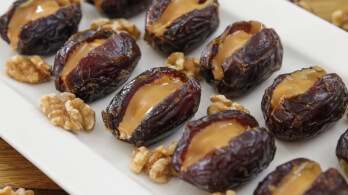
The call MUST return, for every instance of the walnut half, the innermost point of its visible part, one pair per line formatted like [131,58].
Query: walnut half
[28,69]
[188,66]
[220,103]
[68,112]
[157,164]
[9,191]
[118,25]
[228,192]
[340,18]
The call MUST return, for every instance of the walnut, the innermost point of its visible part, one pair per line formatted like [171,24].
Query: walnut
[157,164]
[68,112]
[9,191]
[28,69]
[340,18]
[303,4]
[220,103]
[228,192]
[188,66]
[118,25]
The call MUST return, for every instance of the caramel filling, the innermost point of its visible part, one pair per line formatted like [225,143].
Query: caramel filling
[144,100]
[231,44]
[98,4]
[295,84]
[174,10]
[299,180]
[214,136]
[344,166]
[78,54]
[31,11]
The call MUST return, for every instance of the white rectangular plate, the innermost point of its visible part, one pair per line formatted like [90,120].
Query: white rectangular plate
[97,163]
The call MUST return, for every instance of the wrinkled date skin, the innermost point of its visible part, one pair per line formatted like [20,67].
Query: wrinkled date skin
[122,8]
[100,71]
[342,151]
[328,182]
[45,35]
[186,32]
[225,168]
[247,67]
[307,114]
[161,121]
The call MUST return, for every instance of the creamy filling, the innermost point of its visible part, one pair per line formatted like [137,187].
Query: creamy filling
[174,10]
[231,44]
[214,136]
[295,84]
[144,100]
[78,54]
[98,4]
[299,179]
[30,11]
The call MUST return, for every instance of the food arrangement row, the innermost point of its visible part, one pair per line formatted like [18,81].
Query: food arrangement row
[217,152]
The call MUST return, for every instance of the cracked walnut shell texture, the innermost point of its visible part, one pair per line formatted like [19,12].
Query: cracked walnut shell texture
[118,25]
[9,191]
[28,69]
[157,164]
[68,112]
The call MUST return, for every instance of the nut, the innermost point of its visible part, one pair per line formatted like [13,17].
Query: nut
[150,106]
[180,26]
[306,175]
[220,103]
[95,62]
[188,66]
[303,4]
[215,164]
[228,192]
[9,191]
[316,101]
[68,112]
[340,18]
[33,32]
[28,69]
[243,56]
[118,25]
[157,164]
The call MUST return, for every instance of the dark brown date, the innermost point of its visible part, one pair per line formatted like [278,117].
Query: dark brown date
[95,62]
[180,25]
[304,177]
[41,33]
[243,56]
[341,152]
[149,107]
[120,8]
[304,103]
[220,151]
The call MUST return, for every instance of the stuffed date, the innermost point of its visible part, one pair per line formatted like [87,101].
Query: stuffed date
[220,151]
[149,107]
[40,27]
[302,177]
[243,56]
[304,103]
[180,25]
[342,152]
[120,8]
[95,62]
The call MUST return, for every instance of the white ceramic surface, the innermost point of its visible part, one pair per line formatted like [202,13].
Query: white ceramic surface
[97,163]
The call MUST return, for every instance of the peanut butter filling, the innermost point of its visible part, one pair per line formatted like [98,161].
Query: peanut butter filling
[344,166]
[231,44]
[214,136]
[295,84]
[30,11]
[78,54]
[299,180]
[174,10]
[144,100]
[98,4]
